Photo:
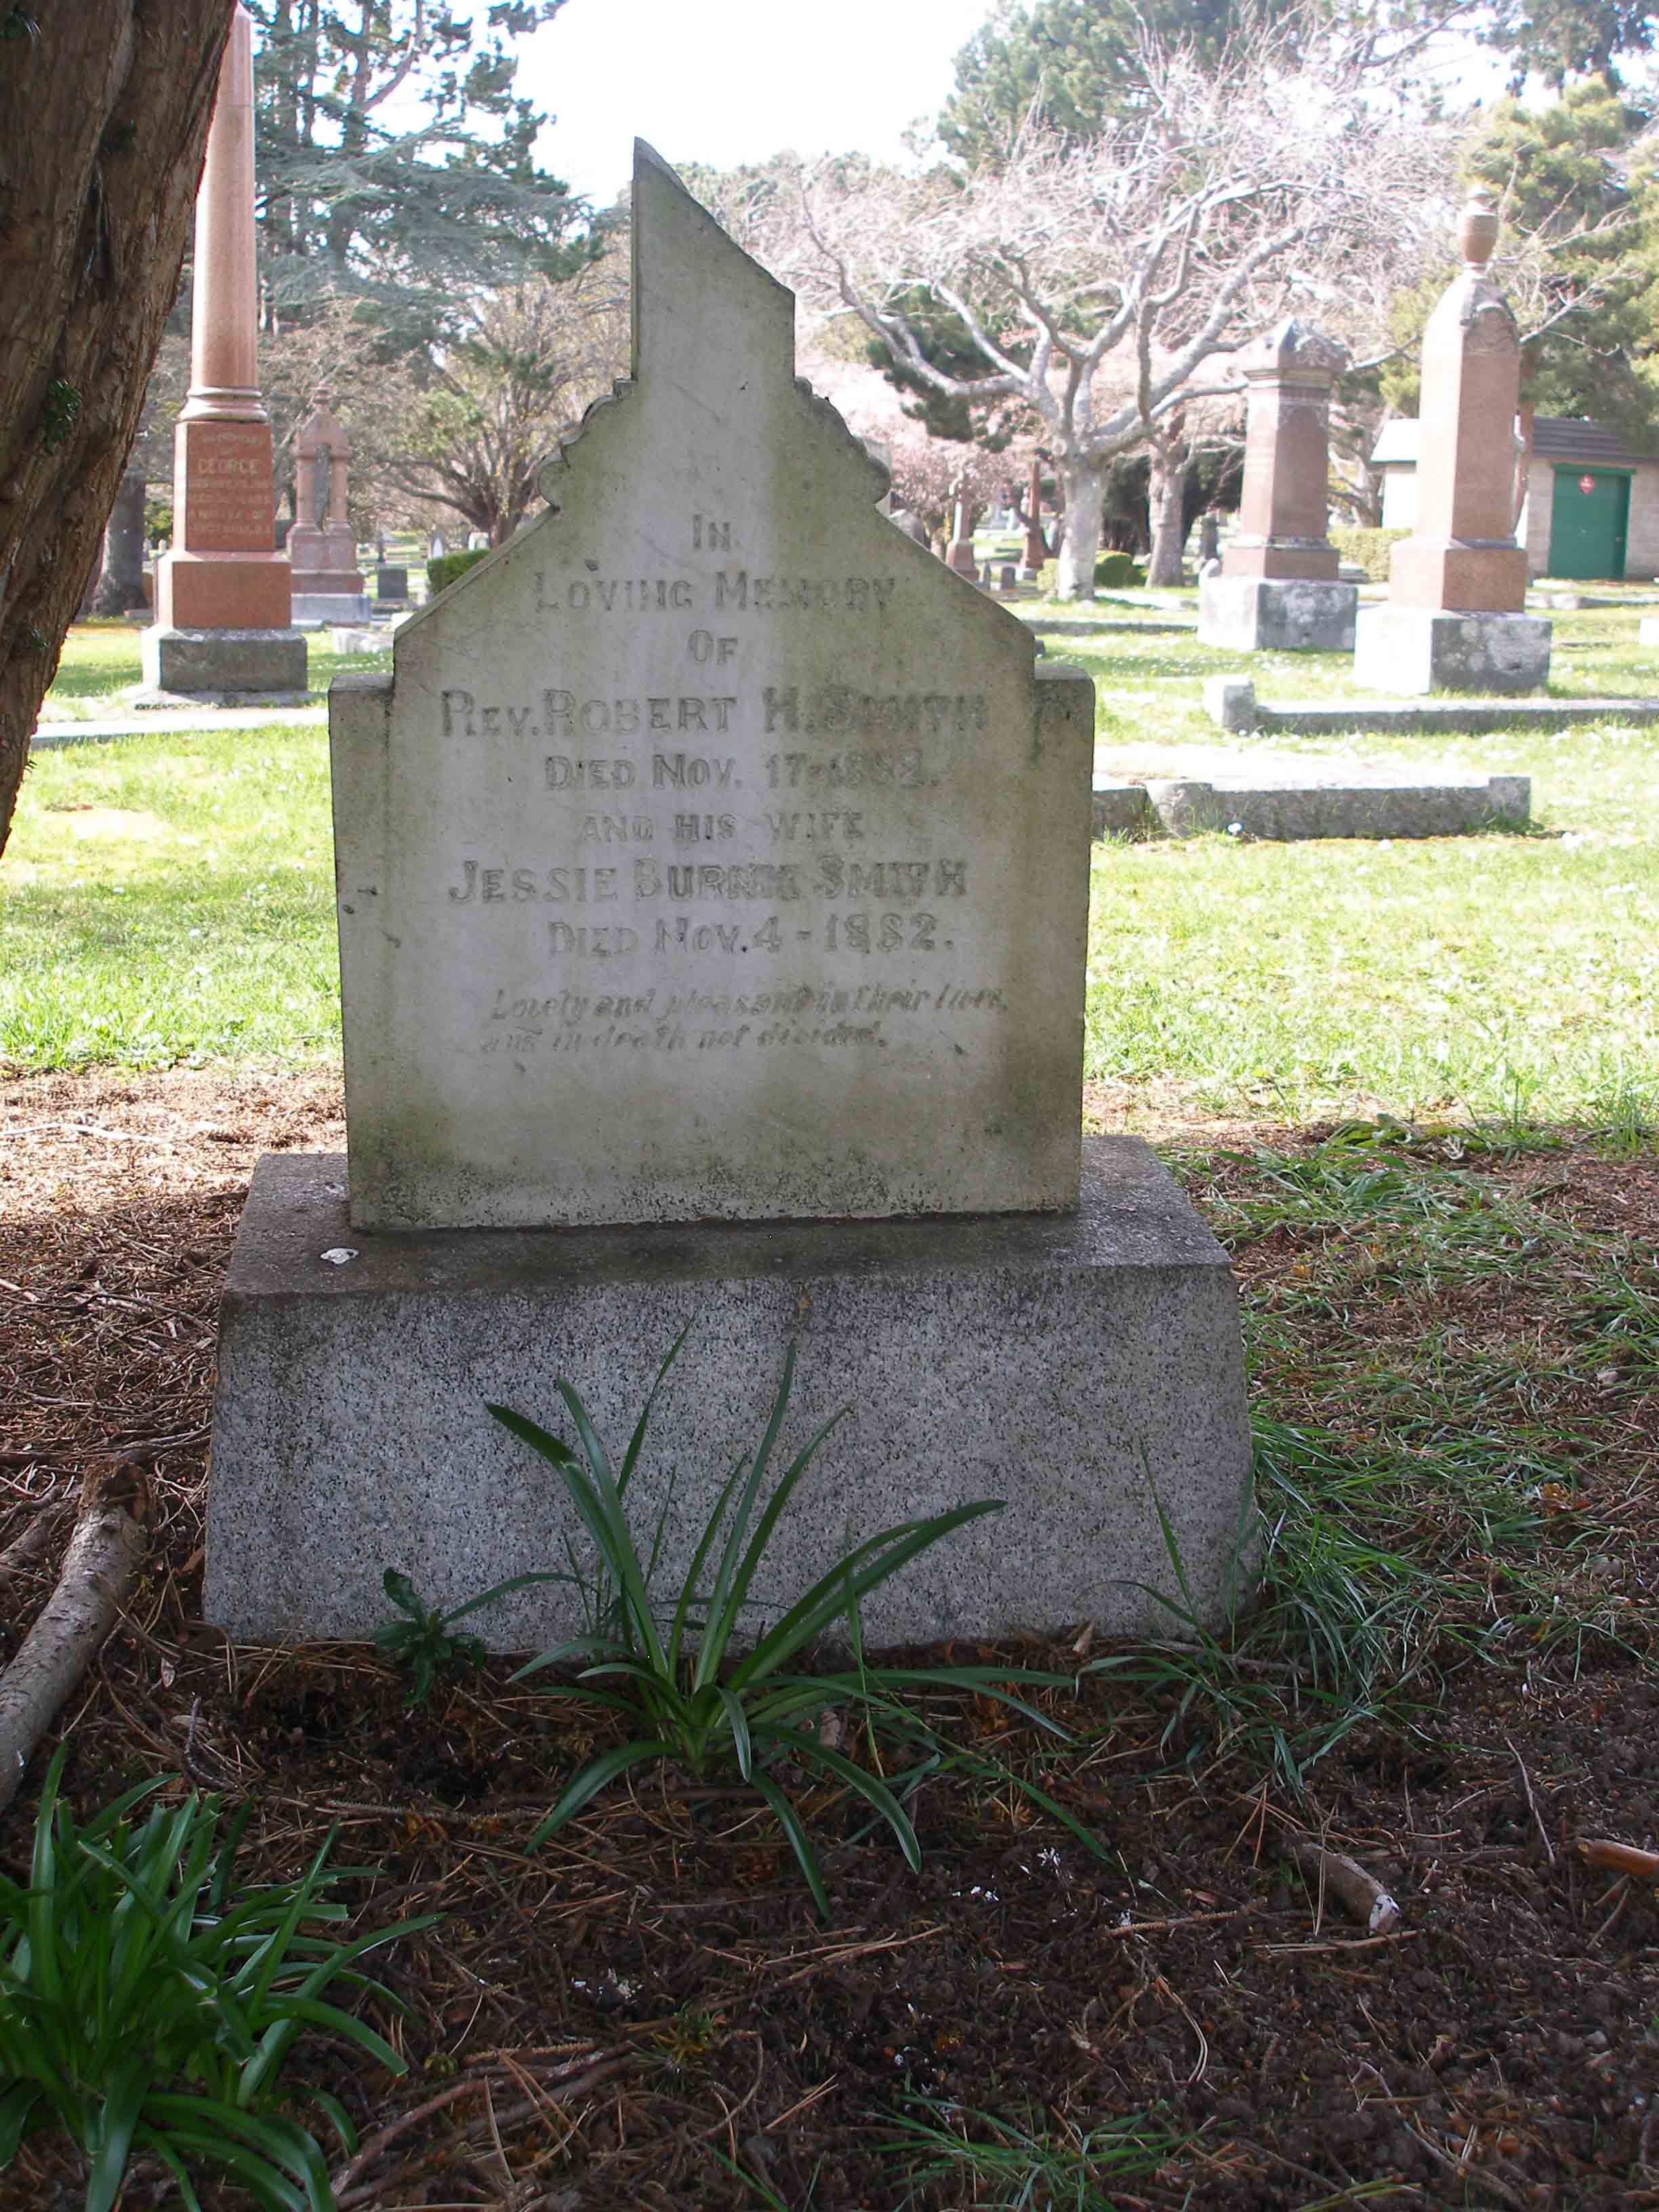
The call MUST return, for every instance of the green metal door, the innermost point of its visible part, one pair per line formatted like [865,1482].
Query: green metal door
[1588,520]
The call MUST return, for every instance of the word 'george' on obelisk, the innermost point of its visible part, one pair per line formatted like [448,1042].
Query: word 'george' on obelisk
[1277,589]
[1457,586]
[712,876]
[222,596]
[322,546]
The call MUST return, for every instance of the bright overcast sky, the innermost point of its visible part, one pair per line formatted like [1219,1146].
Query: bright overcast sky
[733,81]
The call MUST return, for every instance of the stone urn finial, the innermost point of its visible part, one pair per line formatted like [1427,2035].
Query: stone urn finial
[1477,230]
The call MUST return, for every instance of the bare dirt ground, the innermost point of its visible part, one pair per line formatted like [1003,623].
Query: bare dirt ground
[604,2022]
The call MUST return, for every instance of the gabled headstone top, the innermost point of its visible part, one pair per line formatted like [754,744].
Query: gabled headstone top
[1296,350]
[711,851]
[322,433]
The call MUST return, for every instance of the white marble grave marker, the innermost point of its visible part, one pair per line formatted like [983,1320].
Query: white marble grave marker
[712,851]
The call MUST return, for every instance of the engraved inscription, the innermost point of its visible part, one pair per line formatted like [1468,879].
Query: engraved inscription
[728,591]
[835,708]
[792,1014]
[825,893]
[853,595]
[225,492]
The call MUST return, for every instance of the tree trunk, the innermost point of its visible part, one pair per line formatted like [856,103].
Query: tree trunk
[1037,539]
[104,113]
[1085,488]
[1168,518]
[121,587]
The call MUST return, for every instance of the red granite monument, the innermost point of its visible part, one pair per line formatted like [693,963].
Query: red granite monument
[1457,586]
[1278,588]
[223,592]
[322,546]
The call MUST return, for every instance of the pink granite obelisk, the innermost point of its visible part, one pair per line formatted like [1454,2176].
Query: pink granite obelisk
[1458,584]
[1279,587]
[223,583]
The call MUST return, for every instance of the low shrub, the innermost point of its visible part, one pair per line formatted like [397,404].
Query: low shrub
[1368,549]
[444,567]
[1118,572]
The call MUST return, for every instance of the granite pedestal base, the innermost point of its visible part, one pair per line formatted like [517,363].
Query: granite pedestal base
[332,607]
[221,663]
[1413,649]
[1064,1363]
[1276,614]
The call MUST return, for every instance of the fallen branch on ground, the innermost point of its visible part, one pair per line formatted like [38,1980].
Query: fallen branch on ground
[1619,1858]
[1359,1892]
[99,1567]
[24,1553]
[551,2084]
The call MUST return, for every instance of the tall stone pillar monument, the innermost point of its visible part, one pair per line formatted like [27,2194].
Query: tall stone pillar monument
[1277,589]
[223,595]
[1457,586]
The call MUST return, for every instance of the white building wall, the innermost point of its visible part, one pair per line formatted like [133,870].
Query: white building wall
[1642,540]
[1400,496]
[1533,530]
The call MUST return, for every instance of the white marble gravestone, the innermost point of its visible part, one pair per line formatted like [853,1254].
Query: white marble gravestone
[712,876]
[712,851]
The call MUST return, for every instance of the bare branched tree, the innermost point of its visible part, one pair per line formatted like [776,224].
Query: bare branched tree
[530,360]
[1106,286]
[932,475]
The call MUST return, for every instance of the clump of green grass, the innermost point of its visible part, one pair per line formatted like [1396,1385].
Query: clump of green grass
[1407,1476]
[670,1667]
[1037,2160]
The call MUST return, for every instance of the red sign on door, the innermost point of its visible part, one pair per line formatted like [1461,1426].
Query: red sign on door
[1587,484]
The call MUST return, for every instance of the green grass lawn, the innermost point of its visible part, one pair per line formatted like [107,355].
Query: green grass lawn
[167,900]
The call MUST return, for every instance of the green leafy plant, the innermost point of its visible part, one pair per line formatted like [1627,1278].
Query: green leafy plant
[425,1646]
[674,1676]
[147,2005]
[1118,572]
